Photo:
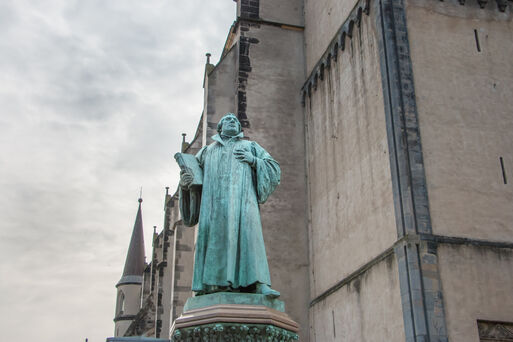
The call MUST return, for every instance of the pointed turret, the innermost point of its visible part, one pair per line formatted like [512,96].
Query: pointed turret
[135,263]
[129,286]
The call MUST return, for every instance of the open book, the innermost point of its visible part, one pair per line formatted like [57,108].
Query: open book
[189,164]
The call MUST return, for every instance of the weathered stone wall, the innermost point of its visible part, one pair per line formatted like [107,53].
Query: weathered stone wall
[477,284]
[184,262]
[289,12]
[144,322]
[463,83]
[160,268]
[146,284]
[220,92]
[165,284]
[366,309]
[464,105]
[322,20]
[350,192]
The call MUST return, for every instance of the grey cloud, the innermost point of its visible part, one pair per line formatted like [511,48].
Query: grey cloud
[94,96]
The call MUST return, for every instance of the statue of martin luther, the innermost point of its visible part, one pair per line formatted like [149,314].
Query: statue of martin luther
[238,175]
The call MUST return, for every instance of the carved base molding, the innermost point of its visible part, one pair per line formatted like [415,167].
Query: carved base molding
[234,322]
[221,332]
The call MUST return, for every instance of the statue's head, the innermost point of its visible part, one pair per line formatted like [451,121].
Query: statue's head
[229,125]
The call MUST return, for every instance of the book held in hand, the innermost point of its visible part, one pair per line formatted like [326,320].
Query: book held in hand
[189,164]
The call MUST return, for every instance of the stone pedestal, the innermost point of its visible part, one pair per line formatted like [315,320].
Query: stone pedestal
[234,317]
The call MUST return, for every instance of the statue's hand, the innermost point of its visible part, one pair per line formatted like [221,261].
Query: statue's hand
[185,179]
[244,156]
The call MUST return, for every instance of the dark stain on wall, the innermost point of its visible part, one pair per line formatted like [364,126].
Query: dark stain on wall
[244,71]
[250,9]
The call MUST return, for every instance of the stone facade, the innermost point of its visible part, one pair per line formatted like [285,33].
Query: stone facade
[391,120]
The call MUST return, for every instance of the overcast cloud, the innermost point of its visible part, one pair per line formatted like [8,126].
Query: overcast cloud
[94,96]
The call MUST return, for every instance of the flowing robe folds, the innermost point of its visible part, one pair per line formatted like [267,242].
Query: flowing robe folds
[230,247]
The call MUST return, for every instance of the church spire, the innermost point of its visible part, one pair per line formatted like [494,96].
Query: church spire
[135,263]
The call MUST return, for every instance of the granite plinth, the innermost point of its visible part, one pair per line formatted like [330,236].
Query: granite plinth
[233,298]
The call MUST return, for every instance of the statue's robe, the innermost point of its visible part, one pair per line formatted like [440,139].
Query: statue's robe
[230,247]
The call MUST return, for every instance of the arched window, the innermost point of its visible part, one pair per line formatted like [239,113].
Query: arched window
[123,304]
[120,303]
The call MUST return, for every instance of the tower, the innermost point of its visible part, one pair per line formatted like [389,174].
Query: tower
[129,286]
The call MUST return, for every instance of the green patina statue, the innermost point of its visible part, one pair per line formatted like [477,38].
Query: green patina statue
[237,176]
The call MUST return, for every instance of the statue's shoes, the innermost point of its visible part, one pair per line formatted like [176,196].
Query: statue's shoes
[267,291]
[209,289]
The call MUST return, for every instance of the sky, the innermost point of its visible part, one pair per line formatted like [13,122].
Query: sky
[94,96]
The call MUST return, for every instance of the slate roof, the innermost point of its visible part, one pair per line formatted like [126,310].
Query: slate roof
[135,263]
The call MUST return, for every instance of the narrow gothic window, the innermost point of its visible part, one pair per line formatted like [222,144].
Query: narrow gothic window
[121,303]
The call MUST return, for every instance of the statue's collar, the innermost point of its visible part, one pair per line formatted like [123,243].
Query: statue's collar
[218,138]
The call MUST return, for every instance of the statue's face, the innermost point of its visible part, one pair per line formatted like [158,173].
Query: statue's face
[230,126]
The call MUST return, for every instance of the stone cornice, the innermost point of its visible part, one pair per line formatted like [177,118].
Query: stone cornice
[413,239]
[130,280]
[346,29]
[501,4]
[338,42]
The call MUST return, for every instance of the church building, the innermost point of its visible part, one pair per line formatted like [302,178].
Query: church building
[392,121]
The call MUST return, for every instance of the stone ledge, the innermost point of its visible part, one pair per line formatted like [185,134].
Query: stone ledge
[235,313]
[222,298]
